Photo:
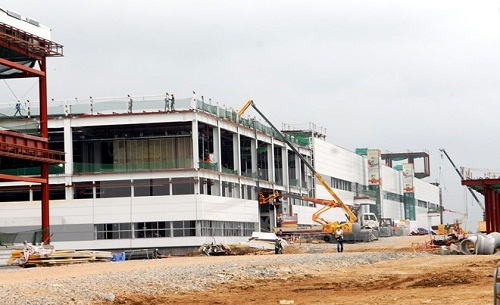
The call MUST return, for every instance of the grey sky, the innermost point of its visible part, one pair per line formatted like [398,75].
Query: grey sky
[394,75]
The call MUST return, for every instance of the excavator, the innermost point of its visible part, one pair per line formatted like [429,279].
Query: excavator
[328,226]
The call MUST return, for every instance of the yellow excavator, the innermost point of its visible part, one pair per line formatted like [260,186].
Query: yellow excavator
[328,226]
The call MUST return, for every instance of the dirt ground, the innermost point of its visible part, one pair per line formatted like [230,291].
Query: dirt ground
[438,279]
[434,279]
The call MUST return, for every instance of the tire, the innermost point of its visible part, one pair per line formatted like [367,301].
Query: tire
[328,238]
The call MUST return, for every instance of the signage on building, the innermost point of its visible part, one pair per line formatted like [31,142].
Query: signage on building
[408,174]
[374,160]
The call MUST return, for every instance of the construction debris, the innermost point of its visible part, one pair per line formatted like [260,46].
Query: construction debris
[45,255]
[214,249]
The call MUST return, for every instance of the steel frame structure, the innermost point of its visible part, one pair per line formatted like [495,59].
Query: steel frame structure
[30,48]
[490,188]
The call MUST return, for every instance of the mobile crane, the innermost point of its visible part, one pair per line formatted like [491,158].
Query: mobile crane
[482,224]
[328,226]
[462,178]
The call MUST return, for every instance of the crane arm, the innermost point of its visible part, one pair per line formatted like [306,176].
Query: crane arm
[462,178]
[350,215]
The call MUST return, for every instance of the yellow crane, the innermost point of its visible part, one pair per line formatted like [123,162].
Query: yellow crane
[328,226]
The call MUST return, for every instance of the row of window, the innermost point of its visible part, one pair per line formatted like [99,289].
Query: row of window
[155,229]
[161,229]
[127,188]
[429,205]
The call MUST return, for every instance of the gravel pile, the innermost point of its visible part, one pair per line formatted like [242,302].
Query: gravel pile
[174,279]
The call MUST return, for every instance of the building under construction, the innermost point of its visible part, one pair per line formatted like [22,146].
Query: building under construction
[168,172]
[24,48]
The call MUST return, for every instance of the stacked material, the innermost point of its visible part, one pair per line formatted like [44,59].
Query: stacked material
[45,255]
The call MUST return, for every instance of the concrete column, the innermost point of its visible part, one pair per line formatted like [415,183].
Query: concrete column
[270,161]
[253,151]
[236,153]
[284,157]
[217,147]
[298,172]
[68,158]
[194,130]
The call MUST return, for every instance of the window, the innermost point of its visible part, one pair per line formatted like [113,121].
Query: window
[10,194]
[113,231]
[151,187]
[83,190]
[341,184]
[182,186]
[152,229]
[226,228]
[110,189]
[184,228]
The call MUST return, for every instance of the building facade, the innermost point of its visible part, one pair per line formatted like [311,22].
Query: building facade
[154,172]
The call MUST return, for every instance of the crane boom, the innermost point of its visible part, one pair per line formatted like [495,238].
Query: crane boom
[350,215]
[462,178]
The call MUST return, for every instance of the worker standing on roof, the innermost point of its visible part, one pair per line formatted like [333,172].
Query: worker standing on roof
[167,102]
[172,101]
[18,108]
[339,236]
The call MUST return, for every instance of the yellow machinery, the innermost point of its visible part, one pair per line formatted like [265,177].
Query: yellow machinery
[328,226]
[266,198]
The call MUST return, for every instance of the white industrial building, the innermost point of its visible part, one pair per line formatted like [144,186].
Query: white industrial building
[138,174]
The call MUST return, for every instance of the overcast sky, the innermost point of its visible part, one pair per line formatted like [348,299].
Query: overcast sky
[393,75]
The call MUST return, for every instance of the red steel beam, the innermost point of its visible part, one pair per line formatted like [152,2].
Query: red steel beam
[28,44]
[30,71]
[44,128]
[4,178]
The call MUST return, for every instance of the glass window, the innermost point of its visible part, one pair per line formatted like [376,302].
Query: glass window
[182,186]
[151,187]
[109,189]
[83,190]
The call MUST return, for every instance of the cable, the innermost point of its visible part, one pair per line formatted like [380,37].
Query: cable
[36,82]
[17,99]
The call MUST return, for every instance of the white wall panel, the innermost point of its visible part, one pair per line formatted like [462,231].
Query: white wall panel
[335,161]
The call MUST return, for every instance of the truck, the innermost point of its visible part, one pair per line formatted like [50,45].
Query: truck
[350,226]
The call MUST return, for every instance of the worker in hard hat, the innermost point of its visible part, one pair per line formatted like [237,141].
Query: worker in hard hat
[339,236]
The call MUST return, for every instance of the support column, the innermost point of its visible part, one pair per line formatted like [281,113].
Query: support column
[284,167]
[68,165]
[253,154]
[237,153]
[497,219]
[44,129]
[195,135]
[217,148]
[270,162]
[490,216]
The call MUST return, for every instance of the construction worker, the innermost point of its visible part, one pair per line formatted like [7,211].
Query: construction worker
[167,102]
[172,101]
[339,236]
[130,103]
[278,247]
[18,108]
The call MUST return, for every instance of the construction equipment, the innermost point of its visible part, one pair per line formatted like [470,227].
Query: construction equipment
[328,227]
[273,197]
[365,219]
[462,178]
